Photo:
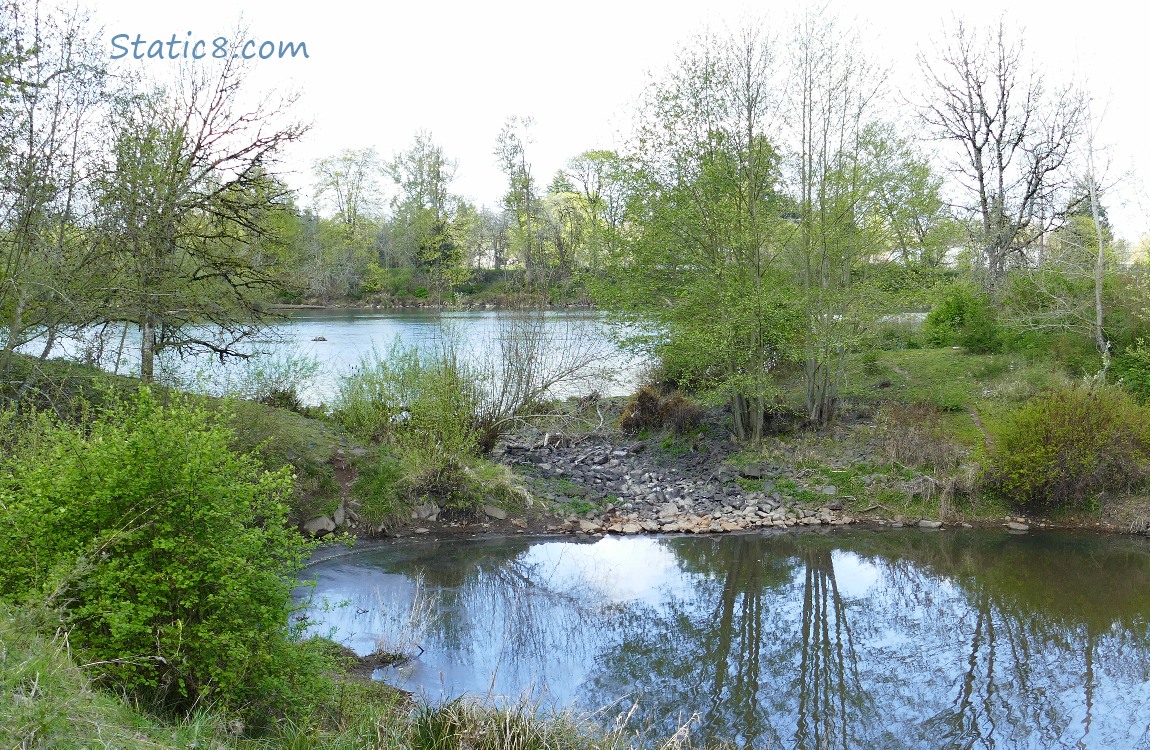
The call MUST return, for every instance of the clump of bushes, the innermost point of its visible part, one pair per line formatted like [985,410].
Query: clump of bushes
[168,556]
[647,410]
[425,411]
[1131,368]
[965,317]
[1067,445]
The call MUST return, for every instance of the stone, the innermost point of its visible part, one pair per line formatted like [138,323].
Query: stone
[340,516]
[422,530]
[588,527]
[492,512]
[319,526]
[830,489]
[925,524]
[1016,526]
[519,522]
[752,471]
[426,512]
[631,528]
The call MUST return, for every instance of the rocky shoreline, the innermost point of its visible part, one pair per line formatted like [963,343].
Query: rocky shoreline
[631,492]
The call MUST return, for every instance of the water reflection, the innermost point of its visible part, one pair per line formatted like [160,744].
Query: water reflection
[860,639]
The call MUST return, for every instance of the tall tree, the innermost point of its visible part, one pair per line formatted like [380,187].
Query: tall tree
[834,92]
[708,225]
[52,84]
[180,201]
[1013,136]
[427,217]
[521,199]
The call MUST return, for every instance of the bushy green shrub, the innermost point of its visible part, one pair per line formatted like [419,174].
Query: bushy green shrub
[1066,445]
[1131,368]
[168,555]
[963,316]
[424,408]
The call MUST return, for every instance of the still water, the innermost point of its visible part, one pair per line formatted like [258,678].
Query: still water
[340,339]
[859,639]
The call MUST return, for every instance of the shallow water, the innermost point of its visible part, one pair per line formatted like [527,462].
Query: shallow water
[863,638]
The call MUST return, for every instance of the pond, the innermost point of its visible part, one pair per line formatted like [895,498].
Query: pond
[338,339]
[865,638]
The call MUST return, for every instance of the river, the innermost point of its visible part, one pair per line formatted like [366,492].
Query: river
[337,340]
[862,638]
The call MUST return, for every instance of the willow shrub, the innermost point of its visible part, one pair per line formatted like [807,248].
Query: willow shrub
[168,555]
[1067,445]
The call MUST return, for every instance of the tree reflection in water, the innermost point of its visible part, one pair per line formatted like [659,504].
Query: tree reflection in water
[860,639]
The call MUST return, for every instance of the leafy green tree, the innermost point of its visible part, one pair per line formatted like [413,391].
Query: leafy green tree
[702,258]
[429,222]
[52,79]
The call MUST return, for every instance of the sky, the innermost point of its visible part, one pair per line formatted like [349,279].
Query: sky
[376,74]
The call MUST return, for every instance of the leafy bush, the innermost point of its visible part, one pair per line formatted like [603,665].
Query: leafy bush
[1131,368]
[1068,444]
[963,316]
[424,408]
[167,553]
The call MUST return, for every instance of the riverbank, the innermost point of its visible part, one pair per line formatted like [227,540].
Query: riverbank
[598,480]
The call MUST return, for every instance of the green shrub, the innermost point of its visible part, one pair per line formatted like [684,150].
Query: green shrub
[963,316]
[424,408]
[1068,444]
[1131,368]
[167,553]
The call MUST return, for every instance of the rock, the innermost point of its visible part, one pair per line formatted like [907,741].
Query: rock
[835,505]
[319,526]
[492,512]
[340,516]
[319,338]
[358,452]
[426,512]
[925,524]
[519,522]
[830,489]
[631,528]
[588,527]
[752,471]
[421,530]
[1016,526]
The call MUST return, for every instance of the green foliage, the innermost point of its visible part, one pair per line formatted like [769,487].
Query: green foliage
[1131,368]
[424,409]
[963,316]
[168,554]
[1068,444]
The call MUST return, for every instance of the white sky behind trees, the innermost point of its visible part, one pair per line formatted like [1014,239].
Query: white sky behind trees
[378,73]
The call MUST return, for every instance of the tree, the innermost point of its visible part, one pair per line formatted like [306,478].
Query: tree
[428,219]
[51,81]
[838,180]
[180,200]
[1013,136]
[521,199]
[708,225]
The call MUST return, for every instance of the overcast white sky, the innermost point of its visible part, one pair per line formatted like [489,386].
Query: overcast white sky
[379,73]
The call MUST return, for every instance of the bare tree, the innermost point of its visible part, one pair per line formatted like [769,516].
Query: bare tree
[180,203]
[1014,136]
